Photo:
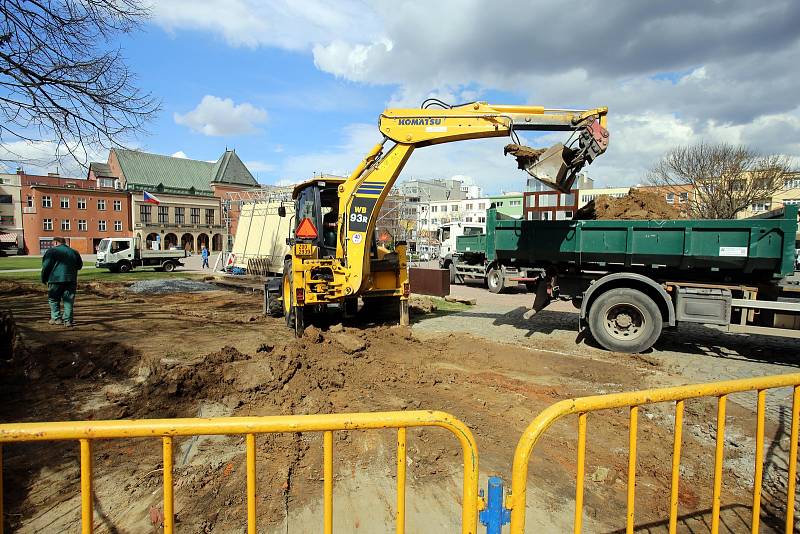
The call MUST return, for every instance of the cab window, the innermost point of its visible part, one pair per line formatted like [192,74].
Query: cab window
[445,233]
[119,246]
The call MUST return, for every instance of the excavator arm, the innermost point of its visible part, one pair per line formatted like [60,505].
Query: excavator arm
[363,193]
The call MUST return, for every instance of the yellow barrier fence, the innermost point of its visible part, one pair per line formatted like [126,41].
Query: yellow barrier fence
[166,429]
[581,407]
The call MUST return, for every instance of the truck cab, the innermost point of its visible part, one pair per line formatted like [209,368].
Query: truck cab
[447,235]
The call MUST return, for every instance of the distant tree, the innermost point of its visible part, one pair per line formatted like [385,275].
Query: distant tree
[63,80]
[725,179]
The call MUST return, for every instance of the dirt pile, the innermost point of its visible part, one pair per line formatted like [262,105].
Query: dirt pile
[637,205]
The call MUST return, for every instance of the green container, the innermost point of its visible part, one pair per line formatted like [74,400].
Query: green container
[764,245]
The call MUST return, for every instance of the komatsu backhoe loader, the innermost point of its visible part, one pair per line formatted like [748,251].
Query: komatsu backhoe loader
[334,257]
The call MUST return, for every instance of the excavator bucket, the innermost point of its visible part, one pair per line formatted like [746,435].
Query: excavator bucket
[558,166]
[552,168]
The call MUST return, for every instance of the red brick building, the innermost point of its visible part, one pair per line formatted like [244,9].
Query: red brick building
[83,211]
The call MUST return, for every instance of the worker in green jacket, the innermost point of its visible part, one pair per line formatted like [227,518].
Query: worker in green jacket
[60,266]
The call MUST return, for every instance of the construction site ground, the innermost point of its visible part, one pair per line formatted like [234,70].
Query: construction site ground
[212,353]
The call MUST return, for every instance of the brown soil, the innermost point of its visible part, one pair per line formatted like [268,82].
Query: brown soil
[188,355]
[636,205]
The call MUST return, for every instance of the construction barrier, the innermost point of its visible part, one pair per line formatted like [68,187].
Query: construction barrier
[516,500]
[168,429]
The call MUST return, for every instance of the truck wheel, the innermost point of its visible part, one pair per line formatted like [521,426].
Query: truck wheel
[625,320]
[168,266]
[455,278]
[496,280]
[124,267]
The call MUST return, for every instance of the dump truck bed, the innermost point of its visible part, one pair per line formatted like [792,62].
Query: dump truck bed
[764,245]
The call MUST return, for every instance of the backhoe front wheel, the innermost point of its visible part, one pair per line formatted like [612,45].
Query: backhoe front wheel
[625,320]
[292,313]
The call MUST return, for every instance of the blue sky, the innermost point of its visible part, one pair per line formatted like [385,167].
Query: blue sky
[297,87]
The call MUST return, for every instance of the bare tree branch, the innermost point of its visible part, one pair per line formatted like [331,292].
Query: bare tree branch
[63,81]
[726,179]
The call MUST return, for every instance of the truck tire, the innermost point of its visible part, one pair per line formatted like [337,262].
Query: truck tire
[168,266]
[124,267]
[454,278]
[625,320]
[496,280]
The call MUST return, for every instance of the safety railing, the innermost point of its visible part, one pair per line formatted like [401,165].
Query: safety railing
[167,429]
[581,407]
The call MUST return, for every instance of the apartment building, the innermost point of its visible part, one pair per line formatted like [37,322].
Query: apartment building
[82,210]
[11,229]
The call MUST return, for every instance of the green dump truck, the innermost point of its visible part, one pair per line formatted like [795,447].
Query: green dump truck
[631,279]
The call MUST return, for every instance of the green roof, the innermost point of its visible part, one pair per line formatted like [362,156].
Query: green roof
[181,175]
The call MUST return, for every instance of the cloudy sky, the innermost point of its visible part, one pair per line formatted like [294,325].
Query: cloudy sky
[296,87]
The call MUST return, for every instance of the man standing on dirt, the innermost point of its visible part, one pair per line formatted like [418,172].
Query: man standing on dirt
[60,266]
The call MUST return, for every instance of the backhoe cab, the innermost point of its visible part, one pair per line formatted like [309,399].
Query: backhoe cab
[334,257]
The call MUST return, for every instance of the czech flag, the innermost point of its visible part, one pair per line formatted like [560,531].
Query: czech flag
[150,199]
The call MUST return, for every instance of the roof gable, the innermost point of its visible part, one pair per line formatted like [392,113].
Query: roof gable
[229,169]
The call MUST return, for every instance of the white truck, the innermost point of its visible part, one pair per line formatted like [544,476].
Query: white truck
[123,254]
[447,235]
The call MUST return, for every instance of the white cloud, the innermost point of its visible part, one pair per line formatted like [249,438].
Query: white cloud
[220,116]
[281,23]
[259,166]
[41,157]
[180,154]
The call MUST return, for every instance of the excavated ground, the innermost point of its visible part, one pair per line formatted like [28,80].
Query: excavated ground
[211,354]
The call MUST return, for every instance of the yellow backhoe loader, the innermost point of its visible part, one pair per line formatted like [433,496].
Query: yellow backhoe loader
[334,257]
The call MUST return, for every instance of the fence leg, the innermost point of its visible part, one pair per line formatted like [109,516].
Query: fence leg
[495,515]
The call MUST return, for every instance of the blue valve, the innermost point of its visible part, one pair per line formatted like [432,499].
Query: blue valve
[495,515]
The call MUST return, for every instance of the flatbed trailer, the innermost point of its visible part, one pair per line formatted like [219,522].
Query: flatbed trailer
[631,279]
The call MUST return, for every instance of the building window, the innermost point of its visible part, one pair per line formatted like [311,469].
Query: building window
[82,226]
[47,224]
[759,206]
[469,207]
[567,199]
[6,199]
[81,203]
[101,225]
[482,219]
[548,201]
[670,198]
[47,202]
[482,206]
[65,224]
[545,215]
[444,208]
[468,219]
[29,201]
[515,203]
[683,198]
[210,216]
[434,209]
[791,183]
[180,217]
[117,205]
[454,207]
[568,214]
[65,202]
[144,213]
[117,226]
[163,214]
[106,182]
[195,215]
[101,204]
